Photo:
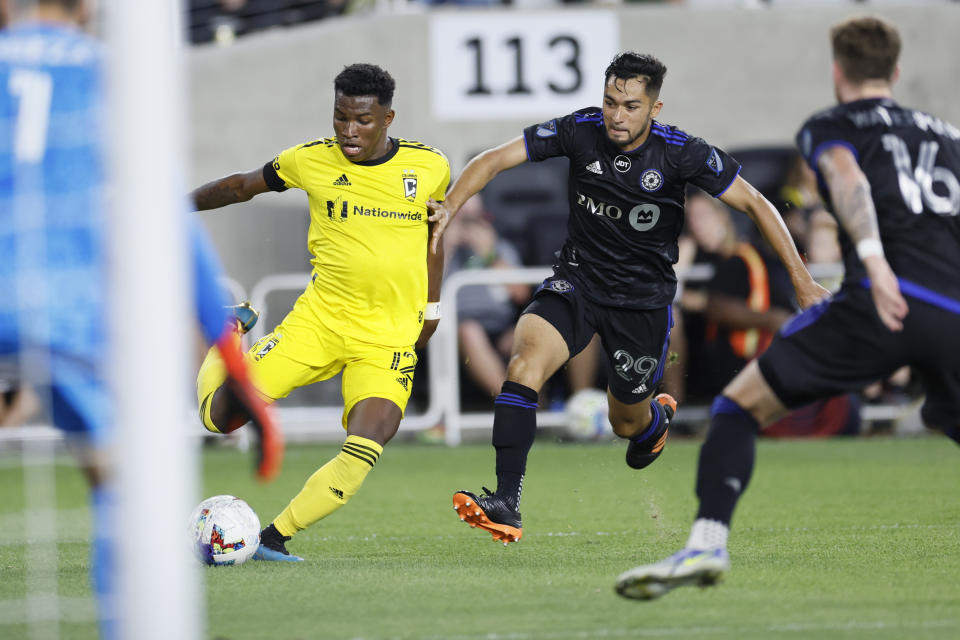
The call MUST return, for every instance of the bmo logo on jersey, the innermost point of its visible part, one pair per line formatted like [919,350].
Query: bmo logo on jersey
[642,217]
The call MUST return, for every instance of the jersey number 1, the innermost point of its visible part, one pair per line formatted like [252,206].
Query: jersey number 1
[35,90]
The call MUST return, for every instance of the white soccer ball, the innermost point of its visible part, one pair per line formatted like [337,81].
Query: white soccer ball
[586,415]
[224,530]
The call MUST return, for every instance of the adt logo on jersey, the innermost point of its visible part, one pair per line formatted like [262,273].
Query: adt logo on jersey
[651,180]
[714,162]
[547,129]
[622,164]
[409,184]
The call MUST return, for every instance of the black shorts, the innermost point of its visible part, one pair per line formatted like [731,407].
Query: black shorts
[635,341]
[840,345]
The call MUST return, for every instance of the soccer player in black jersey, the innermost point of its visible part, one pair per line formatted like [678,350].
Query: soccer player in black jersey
[889,175]
[614,276]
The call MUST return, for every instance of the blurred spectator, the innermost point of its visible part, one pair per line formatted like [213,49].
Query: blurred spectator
[749,298]
[811,225]
[486,313]
[224,20]
[709,238]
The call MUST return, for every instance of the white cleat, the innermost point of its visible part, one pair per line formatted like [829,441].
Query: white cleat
[700,567]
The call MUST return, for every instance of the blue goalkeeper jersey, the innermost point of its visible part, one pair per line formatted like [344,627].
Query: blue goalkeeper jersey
[52,210]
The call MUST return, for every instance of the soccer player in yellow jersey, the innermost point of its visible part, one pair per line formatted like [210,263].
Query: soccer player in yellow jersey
[367,304]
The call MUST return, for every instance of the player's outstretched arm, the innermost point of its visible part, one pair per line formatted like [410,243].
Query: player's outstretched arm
[744,197]
[434,283]
[853,205]
[238,187]
[475,176]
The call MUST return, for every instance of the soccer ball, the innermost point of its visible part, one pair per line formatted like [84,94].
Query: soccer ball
[586,415]
[224,530]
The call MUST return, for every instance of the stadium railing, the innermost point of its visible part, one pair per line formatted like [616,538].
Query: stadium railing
[443,404]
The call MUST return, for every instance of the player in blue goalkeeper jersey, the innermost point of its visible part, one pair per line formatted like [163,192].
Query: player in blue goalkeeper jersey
[53,227]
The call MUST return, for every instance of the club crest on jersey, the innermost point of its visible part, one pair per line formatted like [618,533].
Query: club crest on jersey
[714,162]
[409,184]
[651,180]
[622,164]
[560,286]
[547,129]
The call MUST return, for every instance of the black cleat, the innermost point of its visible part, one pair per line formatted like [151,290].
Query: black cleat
[642,454]
[273,547]
[490,512]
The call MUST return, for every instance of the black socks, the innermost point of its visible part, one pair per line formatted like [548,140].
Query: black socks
[514,427]
[726,460]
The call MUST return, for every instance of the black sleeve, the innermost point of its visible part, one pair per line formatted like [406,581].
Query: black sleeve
[818,134]
[550,139]
[731,279]
[710,168]
[274,181]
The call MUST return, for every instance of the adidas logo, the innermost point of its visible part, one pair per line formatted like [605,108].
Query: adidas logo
[404,382]
[342,181]
[594,167]
[337,492]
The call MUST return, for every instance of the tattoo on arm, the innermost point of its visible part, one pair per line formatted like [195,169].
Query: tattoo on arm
[852,200]
[220,193]
[856,212]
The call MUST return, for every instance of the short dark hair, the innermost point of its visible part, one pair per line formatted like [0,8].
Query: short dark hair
[366,80]
[866,48]
[631,64]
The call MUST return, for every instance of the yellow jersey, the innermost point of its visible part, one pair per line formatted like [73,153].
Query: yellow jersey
[368,233]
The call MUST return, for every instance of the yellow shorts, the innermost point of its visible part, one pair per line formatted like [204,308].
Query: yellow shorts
[301,350]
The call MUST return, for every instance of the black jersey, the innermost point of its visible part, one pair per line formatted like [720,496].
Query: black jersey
[626,208]
[912,161]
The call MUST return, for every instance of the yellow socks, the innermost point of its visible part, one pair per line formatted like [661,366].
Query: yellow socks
[213,372]
[330,486]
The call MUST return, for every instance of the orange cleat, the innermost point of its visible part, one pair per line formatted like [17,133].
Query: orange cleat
[491,513]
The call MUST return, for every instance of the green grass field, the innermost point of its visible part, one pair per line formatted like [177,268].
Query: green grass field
[834,539]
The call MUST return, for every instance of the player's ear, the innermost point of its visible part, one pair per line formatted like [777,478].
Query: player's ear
[655,110]
[388,117]
[837,73]
[895,75]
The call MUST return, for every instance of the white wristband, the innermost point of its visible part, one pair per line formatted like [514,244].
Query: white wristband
[869,247]
[432,311]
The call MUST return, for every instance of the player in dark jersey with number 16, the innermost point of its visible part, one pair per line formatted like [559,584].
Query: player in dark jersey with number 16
[868,152]
[614,276]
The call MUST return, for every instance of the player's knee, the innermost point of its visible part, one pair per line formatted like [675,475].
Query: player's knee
[220,413]
[526,371]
